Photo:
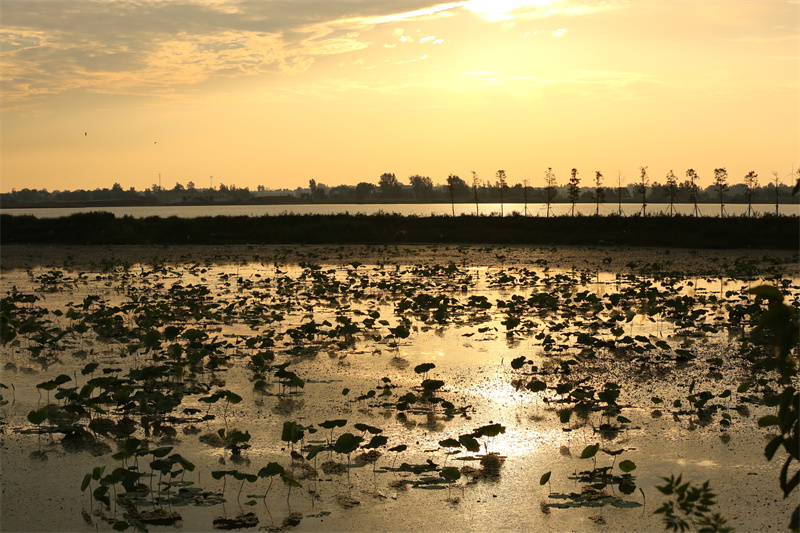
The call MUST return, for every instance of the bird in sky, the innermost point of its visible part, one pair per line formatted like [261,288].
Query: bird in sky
[85,133]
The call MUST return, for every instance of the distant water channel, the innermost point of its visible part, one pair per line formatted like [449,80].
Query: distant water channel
[182,211]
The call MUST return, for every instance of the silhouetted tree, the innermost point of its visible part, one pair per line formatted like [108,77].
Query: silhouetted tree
[574,188]
[721,185]
[672,190]
[389,185]
[475,183]
[460,187]
[796,176]
[364,190]
[641,188]
[452,183]
[550,190]
[751,182]
[777,190]
[501,184]
[27,195]
[422,186]
[312,184]
[525,195]
[599,193]
[191,187]
[318,190]
[117,191]
[693,189]
[340,193]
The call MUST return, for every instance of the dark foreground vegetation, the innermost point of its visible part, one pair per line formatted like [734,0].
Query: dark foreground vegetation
[766,232]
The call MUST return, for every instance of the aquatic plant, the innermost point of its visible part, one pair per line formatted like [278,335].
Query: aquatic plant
[271,470]
[235,474]
[235,440]
[449,443]
[378,441]
[292,432]
[450,474]
[53,384]
[332,424]
[546,479]
[590,452]
[489,431]
[397,449]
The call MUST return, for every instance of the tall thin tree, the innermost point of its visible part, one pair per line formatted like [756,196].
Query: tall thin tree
[525,195]
[693,188]
[599,193]
[549,188]
[672,191]
[721,185]
[777,190]
[750,182]
[619,193]
[574,189]
[642,188]
[475,183]
[501,184]
[452,179]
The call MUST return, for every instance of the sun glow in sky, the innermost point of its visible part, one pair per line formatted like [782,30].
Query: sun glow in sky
[276,93]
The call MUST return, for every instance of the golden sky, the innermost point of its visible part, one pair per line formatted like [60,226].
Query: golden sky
[275,93]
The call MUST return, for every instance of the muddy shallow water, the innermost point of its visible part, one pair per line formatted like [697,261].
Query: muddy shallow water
[660,325]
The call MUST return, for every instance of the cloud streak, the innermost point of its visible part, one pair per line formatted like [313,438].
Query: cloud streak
[159,46]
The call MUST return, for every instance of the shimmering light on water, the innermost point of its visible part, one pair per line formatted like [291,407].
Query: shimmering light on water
[402,209]
[475,367]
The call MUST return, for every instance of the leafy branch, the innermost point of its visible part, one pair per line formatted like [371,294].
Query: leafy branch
[690,507]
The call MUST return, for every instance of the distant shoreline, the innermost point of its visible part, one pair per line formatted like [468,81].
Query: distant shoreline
[155,202]
[292,200]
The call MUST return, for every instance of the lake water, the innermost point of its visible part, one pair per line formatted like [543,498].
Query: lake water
[403,209]
[467,322]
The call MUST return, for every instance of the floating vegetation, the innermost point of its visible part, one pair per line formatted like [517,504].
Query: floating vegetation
[247,520]
[191,384]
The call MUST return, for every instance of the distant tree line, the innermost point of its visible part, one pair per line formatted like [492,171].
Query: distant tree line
[177,194]
[421,189]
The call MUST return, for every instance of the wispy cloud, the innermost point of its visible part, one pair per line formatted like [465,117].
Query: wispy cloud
[414,60]
[507,10]
[160,46]
[763,39]
[157,46]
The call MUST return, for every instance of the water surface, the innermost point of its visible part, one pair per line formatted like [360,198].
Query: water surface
[585,209]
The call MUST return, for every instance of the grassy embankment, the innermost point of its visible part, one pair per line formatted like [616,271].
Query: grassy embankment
[766,232]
